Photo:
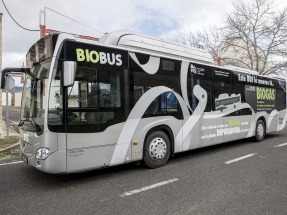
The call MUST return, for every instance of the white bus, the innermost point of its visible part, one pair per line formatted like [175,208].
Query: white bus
[130,97]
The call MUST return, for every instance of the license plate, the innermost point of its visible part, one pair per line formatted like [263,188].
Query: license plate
[24,158]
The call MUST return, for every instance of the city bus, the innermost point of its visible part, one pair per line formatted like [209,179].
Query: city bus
[134,98]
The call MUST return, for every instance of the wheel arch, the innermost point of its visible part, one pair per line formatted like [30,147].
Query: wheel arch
[264,120]
[167,130]
[259,136]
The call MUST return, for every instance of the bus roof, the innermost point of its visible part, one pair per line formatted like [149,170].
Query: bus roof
[138,42]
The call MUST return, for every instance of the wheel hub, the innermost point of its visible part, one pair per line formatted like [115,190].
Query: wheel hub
[157,148]
[260,130]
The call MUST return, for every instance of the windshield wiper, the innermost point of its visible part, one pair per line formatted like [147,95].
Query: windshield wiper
[32,122]
[37,126]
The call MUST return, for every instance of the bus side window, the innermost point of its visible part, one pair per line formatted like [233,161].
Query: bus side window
[281,99]
[166,103]
[203,78]
[222,89]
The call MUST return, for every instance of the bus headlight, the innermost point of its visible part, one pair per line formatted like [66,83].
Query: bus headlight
[43,153]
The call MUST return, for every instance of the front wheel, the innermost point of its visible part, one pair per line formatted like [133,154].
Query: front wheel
[156,150]
[260,131]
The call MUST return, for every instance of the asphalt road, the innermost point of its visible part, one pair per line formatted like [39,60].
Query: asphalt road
[241,177]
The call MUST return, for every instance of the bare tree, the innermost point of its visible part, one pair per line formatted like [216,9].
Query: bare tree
[209,39]
[258,34]
[186,38]
[253,36]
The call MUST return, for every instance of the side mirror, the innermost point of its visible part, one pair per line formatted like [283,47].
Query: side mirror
[3,80]
[69,72]
[6,71]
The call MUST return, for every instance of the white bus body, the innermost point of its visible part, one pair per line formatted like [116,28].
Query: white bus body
[136,98]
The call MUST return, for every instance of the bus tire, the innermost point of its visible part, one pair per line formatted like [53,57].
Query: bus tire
[260,130]
[156,150]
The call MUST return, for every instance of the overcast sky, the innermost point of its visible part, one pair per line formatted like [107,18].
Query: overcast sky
[160,18]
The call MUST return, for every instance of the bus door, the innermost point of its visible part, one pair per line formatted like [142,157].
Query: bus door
[94,105]
[95,109]
[223,101]
[205,133]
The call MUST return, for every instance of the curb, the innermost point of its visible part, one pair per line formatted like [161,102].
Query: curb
[9,147]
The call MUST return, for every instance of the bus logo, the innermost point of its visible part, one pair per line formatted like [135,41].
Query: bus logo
[26,137]
[98,57]
[195,70]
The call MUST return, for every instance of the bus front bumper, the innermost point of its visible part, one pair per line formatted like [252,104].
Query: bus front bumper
[55,162]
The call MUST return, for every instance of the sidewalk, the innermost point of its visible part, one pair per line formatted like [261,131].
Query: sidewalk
[12,134]
[3,131]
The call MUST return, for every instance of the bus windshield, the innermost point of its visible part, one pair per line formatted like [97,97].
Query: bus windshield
[33,100]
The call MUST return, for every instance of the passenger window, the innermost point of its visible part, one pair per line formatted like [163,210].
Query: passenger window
[95,100]
[168,76]
[223,98]
[200,75]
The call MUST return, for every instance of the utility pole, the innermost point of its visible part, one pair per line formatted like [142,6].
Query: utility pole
[42,22]
[219,59]
[44,30]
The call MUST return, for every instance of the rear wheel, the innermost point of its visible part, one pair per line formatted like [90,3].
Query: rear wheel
[260,130]
[156,150]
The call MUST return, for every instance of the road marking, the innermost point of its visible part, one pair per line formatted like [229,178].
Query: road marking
[240,158]
[4,164]
[148,187]
[283,144]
